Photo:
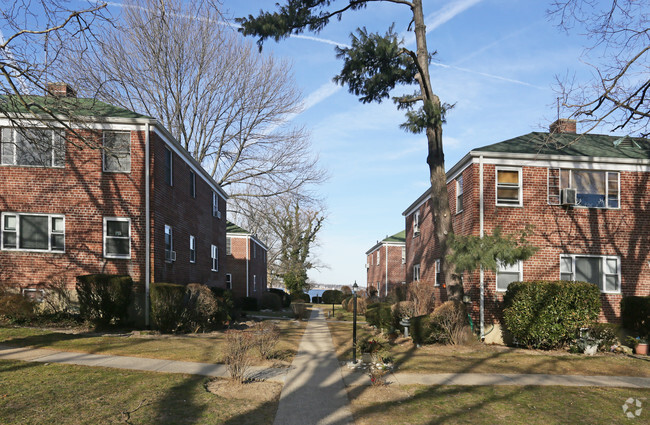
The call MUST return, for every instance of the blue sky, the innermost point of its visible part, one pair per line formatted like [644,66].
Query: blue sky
[497,62]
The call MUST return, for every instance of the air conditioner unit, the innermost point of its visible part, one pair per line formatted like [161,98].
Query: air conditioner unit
[367,265]
[170,255]
[569,196]
[218,214]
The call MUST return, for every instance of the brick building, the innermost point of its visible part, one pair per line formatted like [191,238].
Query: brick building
[245,263]
[386,264]
[587,196]
[135,203]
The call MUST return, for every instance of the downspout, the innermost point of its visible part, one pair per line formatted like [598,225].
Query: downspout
[147,225]
[482,274]
[248,249]
[386,261]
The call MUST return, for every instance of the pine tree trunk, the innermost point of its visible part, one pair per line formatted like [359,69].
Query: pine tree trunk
[442,223]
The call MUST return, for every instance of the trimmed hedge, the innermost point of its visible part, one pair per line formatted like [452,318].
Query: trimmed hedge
[286,298]
[380,315]
[248,303]
[332,296]
[301,296]
[166,305]
[420,330]
[547,314]
[270,301]
[635,314]
[104,298]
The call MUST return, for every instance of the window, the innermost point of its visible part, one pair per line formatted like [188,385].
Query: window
[603,271]
[117,151]
[254,250]
[215,205]
[228,246]
[117,237]
[169,167]
[192,249]
[378,257]
[254,283]
[37,147]
[192,184]
[228,281]
[416,272]
[508,186]
[438,273]
[416,223]
[594,189]
[508,273]
[170,255]
[33,232]
[403,255]
[214,253]
[459,194]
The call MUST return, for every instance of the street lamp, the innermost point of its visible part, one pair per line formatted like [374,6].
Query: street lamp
[355,288]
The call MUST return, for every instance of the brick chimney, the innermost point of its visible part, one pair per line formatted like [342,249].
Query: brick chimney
[61,90]
[563,125]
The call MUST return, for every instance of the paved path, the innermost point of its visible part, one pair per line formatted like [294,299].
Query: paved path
[314,392]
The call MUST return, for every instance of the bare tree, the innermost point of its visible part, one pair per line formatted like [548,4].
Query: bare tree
[33,36]
[227,104]
[618,94]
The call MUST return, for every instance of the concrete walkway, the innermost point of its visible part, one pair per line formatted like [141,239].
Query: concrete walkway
[314,392]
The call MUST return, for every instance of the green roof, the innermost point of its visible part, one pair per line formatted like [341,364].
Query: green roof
[233,228]
[596,145]
[66,106]
[397,237]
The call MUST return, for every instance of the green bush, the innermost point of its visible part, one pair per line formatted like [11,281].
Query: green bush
[226,301]
[332,296]
[248,303]
[286,298]
[420,330]
[201,309]
[635,314]
[301,296]
[345,302]
[270,301]
[547,314]
[166,306]
[15,308]
[380,315]
[104,298]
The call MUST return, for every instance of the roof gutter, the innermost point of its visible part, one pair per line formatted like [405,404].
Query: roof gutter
[147,226]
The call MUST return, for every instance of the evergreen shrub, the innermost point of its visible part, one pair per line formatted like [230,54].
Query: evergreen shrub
[104,298]
[635,314]
[166,306]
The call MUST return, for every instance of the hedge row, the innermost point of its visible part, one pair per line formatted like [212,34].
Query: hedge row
[635,314]
[104,298]
[547,314]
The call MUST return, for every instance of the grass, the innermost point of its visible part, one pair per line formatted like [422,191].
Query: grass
[207,348]
[479,358]
[339,313]
[35,393]
[494,405]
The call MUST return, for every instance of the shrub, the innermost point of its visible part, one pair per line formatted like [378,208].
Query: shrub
[361,305]
[635,314]
[371,292]
[300,296]
[421,329]
[345,302]
[166,305]
[16,308]
[380,315]
[248,303]
[238,358]
[605,333]
[403,309]
[225,299]
[421,294]
[332,296]
[299,310]
[448,323]
[104,298]
[286,298]
[58,298]
[547,314]
[270,301]
[266,337]
[201,310]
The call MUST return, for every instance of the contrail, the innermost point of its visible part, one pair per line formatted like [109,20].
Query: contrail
[484,74]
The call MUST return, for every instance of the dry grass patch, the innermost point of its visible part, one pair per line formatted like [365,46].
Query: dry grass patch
[260,391]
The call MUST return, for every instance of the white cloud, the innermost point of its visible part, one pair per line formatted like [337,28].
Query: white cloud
[442,16]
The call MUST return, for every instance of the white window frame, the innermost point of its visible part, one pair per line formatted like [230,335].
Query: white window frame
[519,187]
[192,184]
[106,237]
[416,273]
[604,274]
[214,255]
[169,231]
[104,169]
[254,283]
[503,269]
[569,184]
[56,137]
[228,245]
[416,223]
[229,281]
[403,255]
[192,249]
[437,279]
[459,194]
[215,205]
[50,231]
[169,170]
[378,256]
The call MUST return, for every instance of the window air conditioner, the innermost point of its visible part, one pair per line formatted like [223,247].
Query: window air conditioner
[367,265]
[569,196]
[170,255]
[219,214]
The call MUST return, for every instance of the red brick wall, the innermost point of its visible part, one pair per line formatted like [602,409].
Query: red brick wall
[236,266]
[624,232]
[376,273]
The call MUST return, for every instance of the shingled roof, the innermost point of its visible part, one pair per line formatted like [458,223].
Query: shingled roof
[81,107]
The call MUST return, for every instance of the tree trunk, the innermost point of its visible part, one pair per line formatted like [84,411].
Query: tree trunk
[441,213]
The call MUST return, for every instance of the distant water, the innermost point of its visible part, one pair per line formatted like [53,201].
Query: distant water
[316,292]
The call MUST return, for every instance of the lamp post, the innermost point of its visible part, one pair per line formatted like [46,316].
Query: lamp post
[355,288]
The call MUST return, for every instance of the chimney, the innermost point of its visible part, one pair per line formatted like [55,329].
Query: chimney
[563,125]
[60,90]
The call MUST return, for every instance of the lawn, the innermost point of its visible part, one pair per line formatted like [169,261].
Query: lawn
[339,313]
[480,358]
[494,405]
[207,348]
[35,393]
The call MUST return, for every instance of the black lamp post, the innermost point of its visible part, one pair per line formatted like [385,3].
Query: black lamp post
[355,288]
